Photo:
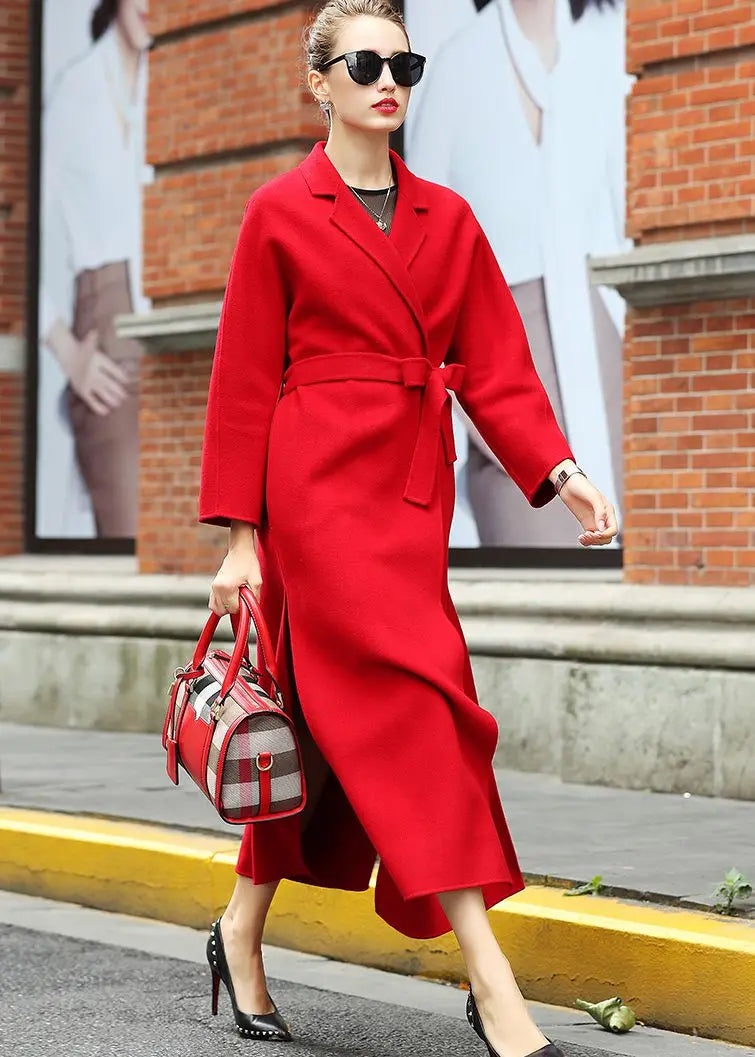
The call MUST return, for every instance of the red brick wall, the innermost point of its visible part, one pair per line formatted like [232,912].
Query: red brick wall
[11,463]
[690,421]
[227,111]
[191,221]
[689,368]
[14,101]
[173,396]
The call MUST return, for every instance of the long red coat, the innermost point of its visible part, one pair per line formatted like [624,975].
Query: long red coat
[346,470]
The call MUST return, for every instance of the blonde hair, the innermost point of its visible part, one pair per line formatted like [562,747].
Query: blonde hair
[320,35]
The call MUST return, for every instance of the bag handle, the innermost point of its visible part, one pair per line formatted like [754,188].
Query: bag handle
[264,643]
[249,610]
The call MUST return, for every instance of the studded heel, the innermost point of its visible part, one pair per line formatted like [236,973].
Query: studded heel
[473,1016]
[249,1025]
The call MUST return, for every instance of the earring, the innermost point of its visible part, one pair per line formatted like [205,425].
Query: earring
[324,104]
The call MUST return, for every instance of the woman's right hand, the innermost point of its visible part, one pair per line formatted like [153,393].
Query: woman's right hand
[98,380]
[240,566]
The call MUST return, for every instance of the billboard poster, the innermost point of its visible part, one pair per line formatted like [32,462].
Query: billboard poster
[92,171]
[522,111]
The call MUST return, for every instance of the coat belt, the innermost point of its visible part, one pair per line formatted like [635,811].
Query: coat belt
[411,371]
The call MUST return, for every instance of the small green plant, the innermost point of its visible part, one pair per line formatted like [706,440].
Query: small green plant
[611,1014]
[589,888]
[734,886]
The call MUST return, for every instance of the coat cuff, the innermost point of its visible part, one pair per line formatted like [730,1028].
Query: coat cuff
[546,490]
[224,518]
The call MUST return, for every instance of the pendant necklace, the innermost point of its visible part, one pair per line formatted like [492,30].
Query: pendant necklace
[378,216]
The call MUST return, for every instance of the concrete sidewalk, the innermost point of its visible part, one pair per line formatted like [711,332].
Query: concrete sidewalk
[659,846]
[91,818]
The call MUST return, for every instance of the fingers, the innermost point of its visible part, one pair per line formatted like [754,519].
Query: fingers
[102,385]
[591,538]
[224,597]
[612,525]
[606,526]
[256,589]
[95,402]
[112,369]
[110,392]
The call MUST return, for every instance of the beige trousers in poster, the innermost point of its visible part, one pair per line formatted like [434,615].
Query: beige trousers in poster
[107,446]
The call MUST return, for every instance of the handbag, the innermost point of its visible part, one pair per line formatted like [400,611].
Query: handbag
[227,727]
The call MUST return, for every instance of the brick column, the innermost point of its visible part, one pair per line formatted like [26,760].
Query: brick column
[14,102]
[690,346]
[227,111]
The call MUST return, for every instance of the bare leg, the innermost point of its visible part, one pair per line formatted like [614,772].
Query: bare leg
[505,1017]
[242,926]
[243,921]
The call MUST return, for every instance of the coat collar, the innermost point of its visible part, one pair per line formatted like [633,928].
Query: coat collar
[394,252]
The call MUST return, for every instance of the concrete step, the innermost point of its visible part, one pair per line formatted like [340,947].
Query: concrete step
[622,684]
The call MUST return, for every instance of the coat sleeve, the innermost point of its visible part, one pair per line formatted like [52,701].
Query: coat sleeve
[501,390]
[245,382]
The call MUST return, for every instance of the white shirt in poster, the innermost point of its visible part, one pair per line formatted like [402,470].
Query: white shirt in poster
[544,206]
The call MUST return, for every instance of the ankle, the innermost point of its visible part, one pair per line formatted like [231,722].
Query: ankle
[241,933]
[492,977]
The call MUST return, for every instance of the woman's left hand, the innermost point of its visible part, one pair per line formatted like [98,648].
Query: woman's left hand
[591,508]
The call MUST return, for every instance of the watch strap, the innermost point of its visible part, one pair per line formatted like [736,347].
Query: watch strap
[564,476]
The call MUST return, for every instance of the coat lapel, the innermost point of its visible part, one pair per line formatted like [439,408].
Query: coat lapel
[392,253]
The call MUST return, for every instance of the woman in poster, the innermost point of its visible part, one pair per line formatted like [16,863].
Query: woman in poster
[522,112]
[90,260]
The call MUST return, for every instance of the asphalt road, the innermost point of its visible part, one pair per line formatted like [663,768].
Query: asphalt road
[74,998]
[78,982]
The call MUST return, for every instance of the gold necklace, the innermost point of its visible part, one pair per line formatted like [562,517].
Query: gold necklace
[378,216]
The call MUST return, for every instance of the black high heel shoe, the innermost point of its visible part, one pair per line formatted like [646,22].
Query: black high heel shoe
[473,1016]
[250,1025]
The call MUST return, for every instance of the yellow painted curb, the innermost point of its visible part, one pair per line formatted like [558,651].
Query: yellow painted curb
[682,970]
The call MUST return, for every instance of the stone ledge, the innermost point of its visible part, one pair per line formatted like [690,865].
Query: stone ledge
[176,328]
[672,272]
[689,627]
[656,274]
[620,684]
[12,354]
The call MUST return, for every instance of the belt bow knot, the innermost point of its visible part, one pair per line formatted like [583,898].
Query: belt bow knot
[435,418]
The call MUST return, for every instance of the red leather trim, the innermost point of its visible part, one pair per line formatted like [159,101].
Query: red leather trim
[172,761]
[265,792]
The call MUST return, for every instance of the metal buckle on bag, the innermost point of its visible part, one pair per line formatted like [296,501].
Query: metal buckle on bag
[176,673]
[262,766]
[216,708]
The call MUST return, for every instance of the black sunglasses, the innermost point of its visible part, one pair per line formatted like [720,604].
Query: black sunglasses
[365,67]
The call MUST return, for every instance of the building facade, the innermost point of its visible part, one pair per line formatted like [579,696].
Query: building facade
[227,108]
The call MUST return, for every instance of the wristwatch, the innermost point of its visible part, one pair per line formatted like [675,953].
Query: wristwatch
[564,476]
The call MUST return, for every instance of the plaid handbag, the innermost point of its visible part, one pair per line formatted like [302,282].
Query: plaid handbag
[230,732]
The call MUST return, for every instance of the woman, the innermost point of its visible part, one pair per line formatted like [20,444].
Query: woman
[533,137]
[91,255]
[338,494]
